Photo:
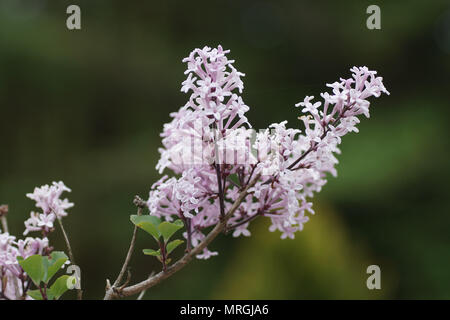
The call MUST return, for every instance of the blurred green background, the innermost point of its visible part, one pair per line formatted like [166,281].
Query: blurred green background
[87,107]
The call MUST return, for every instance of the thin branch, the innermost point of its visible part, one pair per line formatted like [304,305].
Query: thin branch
[246,220]
[127,280]
[325,131]
[43,292]
[70,252]
[187,223]
[221,195]
[140,205]
[219,175]
[251,173]
[180,264]
[292,165]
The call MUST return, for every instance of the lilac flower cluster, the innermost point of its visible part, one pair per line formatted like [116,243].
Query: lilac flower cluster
[291,165]
[48,200]
[13,280]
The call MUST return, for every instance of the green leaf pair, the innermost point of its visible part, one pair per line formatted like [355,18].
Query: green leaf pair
[169,248]
[41,269]
[155,227]
[54,292]
[161,232]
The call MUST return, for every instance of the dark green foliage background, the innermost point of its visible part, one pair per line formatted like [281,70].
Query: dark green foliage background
[87,107]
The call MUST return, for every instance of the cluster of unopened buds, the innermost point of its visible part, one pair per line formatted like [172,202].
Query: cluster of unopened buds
[226,173]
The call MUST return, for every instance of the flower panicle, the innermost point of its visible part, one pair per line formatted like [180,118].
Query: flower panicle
[293,164]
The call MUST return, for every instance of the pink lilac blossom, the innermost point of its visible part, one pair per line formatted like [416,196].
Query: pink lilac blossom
[48,199]
[209,144]
[214,103]
[12,277]
[53,207]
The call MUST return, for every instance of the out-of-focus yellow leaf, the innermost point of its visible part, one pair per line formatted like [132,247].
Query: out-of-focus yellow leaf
[321,263]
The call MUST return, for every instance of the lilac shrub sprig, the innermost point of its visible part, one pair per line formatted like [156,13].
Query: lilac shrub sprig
[48,199]
[312,154]
[225,176]
[289,176]
[17,255]
[277,181]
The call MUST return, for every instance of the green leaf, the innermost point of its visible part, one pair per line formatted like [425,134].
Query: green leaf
[146,218]
[172,245]
[35,294]
[167,229]
[35,268]
[151,252]
[234,177]
[58,287]
[54,263]
[147,223]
